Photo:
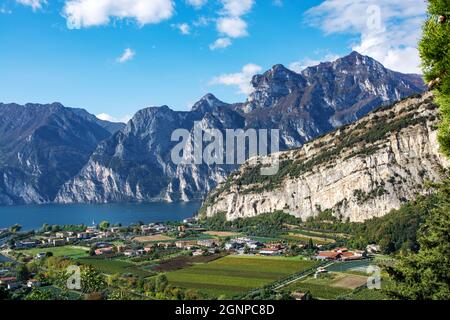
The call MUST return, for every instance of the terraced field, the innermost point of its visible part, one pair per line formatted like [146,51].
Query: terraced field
[234,275]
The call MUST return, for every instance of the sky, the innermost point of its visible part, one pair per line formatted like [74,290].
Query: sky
[114,57]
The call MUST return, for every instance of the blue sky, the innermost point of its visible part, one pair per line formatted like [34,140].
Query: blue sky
[114,57]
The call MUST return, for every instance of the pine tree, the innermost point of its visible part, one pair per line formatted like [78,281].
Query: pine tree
[426,275]
[435,53]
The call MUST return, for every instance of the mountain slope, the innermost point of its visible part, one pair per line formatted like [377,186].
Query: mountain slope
[324,97]
[135,165]
[360,171]
[42,146]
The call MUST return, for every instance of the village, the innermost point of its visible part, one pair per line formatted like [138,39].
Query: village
[154,241]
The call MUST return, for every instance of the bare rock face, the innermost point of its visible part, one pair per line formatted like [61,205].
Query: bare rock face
[135,165]
[43,146]
[361,171]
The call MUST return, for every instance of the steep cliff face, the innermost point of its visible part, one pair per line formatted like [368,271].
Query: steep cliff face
[360,171]
[42,146]
[135,164]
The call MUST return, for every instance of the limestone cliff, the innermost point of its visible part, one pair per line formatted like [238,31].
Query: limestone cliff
[360,171]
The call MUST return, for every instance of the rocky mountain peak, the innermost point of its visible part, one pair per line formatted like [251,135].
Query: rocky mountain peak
[208,103]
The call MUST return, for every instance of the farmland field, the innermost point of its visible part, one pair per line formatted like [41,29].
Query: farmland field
[234,275]
[65,251]
[294,236]
[222,234]
[329,286]
[154,238]
[115,266]
[367,294]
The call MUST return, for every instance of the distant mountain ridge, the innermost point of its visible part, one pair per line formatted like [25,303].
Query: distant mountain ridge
[42,146]
[134,164]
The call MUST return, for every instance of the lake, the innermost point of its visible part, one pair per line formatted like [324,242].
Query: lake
[34,216]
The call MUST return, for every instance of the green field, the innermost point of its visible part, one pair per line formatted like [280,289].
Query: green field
[367,294]
[115,266]
[65,251]
[327,286]
[320,291]
[234,275]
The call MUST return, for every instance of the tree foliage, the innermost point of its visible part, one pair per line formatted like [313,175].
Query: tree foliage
[435,53]
[426,275]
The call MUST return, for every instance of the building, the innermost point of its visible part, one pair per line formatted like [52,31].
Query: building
[129,253]
[102,251]
[190,220]
[328,255]
[71,239]
[298,295]
[83,235]
[350,256]
[270,252]
[186,244]
[58,242]
[13,285]
[41,255]
[115,229]
[373,248]
[7,280]
[33,283]
[60,234]
[209,243]
[26,245]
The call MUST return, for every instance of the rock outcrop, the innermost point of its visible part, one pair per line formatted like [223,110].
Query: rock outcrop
[360,171]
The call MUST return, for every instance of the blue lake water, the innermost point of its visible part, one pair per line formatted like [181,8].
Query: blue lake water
[34,216]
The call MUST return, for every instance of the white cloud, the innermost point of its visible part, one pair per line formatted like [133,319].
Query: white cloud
[197,3]
[184,28]
[220,43]
[107,117]
[242,79]
[202,21]
[127,55]
[388,30]
[237,8]
[35,4]
[299,66]
[233,27]
[230,24]
[88,13]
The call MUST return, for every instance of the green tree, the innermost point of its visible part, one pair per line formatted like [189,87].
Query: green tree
[22,273]
[92,280]
[426,275]
[15,228]
[435,53]
[104,225]
[161,283]
[37,294]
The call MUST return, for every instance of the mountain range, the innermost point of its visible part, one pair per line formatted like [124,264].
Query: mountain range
[357,172]
[55,154]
